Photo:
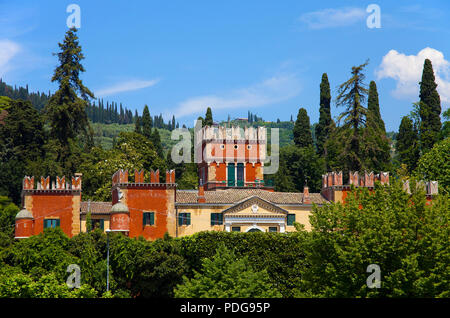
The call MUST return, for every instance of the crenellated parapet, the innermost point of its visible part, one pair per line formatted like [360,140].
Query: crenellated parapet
[46,184]
[430,187]
[122,177]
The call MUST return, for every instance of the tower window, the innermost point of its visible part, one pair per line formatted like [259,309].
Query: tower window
[235,146]
[148,218]
[249,147]
[51,223]
[222,146]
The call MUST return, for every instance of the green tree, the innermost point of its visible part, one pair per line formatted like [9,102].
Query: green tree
[388,227]
[408,144]
[446,125]
[302,130]
[225,276]
[430,108]
[147,123]
[435,165]
[352,95]
[208,117]
[373,107]
[65,110]
[156,140]
[137,125]
[325,121]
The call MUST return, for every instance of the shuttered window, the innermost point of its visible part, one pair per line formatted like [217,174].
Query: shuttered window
[148,218]
[216,218]
[48,223]
[290,219]
[184,219]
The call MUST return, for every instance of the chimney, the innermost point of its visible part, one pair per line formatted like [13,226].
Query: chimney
[201,193]
[306,198]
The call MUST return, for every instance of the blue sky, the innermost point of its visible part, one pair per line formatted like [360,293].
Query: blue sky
[179,57]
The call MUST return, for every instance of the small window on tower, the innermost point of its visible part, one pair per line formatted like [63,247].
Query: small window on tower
[235,146]
[249,147]
[222,146]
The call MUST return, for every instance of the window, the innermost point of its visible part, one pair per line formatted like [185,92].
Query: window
[184,219]
[273,229]
[290,219]
[148,218]
[236,229]
[216,218]
[97,224]
[235,146]
[249,147]
[222,146]
[51,223]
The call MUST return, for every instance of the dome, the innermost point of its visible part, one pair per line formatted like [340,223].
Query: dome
[119,208]
[24,214]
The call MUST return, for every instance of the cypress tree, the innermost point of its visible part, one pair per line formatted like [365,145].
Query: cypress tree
[302,130]
[156,140]
[373,107]
[137,125]
[323,127]
[375,148]
[208,117]
[408,144]
[146,123]
[430,108]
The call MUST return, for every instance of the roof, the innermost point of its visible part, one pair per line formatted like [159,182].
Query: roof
[96,207]
[236,195]
[24,214]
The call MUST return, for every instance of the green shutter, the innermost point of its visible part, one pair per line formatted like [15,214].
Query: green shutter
[102,224]
[290,219]
[46,224]
[152,218]
[231,179]
[213,218]
[188,215]
[180,219]
[57,223]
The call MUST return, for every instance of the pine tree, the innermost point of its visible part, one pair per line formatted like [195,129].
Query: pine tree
[323,127]
[430,108]
[208,117]
[137,125]
[302,130]
[352,95]
[65,110]
[408,144]
[146,123]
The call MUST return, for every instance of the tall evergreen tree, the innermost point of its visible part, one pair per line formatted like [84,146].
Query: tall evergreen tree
[208,117]
[156,140]
[323,127]
[430,108]
[375,148]
[373,107]
[137,125]
[352,95]
[408,144]
[146,123]
[66,110]
[302,130]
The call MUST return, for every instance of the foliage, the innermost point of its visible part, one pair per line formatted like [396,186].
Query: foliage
[407,238]
[208,117]
[225,276]
[147,123]
[324,126]
[302,130]
[408,143]
[430,108]
[435,165]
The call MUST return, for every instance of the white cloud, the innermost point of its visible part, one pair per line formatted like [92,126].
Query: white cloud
[8,50]
[331,18]
[131,85]
[407,71]
[270,91]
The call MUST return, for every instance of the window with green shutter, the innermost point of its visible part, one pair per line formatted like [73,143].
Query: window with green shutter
[273,229]
[236,229]
[184,219]
[290,219]
[216,218]
[97,224]
[48,223]
[148,218]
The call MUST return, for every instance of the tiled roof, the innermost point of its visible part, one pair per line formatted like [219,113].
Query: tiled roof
[237,195]
[96,207]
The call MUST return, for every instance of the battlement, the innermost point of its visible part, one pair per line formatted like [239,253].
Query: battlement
[232,134]
[368,179]
[430,187]
[121,177]
[45,184]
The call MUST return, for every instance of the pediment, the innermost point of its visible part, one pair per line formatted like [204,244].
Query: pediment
[255,206]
